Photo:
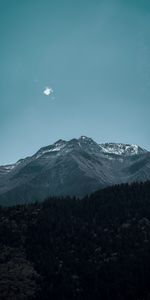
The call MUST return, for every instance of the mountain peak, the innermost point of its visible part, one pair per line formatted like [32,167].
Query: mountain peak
[60,142]
[83,137]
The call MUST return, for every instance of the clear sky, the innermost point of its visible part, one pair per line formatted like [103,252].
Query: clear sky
[94,54]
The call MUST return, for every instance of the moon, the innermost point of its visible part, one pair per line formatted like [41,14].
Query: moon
[48,91]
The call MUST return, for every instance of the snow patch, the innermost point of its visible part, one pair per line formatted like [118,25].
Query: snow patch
[119,149]
[9,168]
[55,148]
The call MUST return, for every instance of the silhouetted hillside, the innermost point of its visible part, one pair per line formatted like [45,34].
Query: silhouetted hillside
[94,248]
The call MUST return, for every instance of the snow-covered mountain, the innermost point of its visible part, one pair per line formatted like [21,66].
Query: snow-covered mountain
[74,167]
[122,149]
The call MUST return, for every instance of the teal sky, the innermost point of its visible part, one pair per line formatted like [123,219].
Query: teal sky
[96,57]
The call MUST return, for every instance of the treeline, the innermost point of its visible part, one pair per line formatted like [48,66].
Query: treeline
[94,248]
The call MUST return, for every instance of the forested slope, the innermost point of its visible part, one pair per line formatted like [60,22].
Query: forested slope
[94,248]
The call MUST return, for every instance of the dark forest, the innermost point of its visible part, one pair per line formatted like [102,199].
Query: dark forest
[68,248]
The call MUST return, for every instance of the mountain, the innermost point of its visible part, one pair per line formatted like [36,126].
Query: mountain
[76,167]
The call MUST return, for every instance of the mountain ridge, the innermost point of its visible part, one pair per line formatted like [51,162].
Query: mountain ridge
[75,167]
[107,147]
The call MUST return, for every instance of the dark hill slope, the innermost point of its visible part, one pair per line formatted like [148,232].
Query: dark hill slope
[97,248]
